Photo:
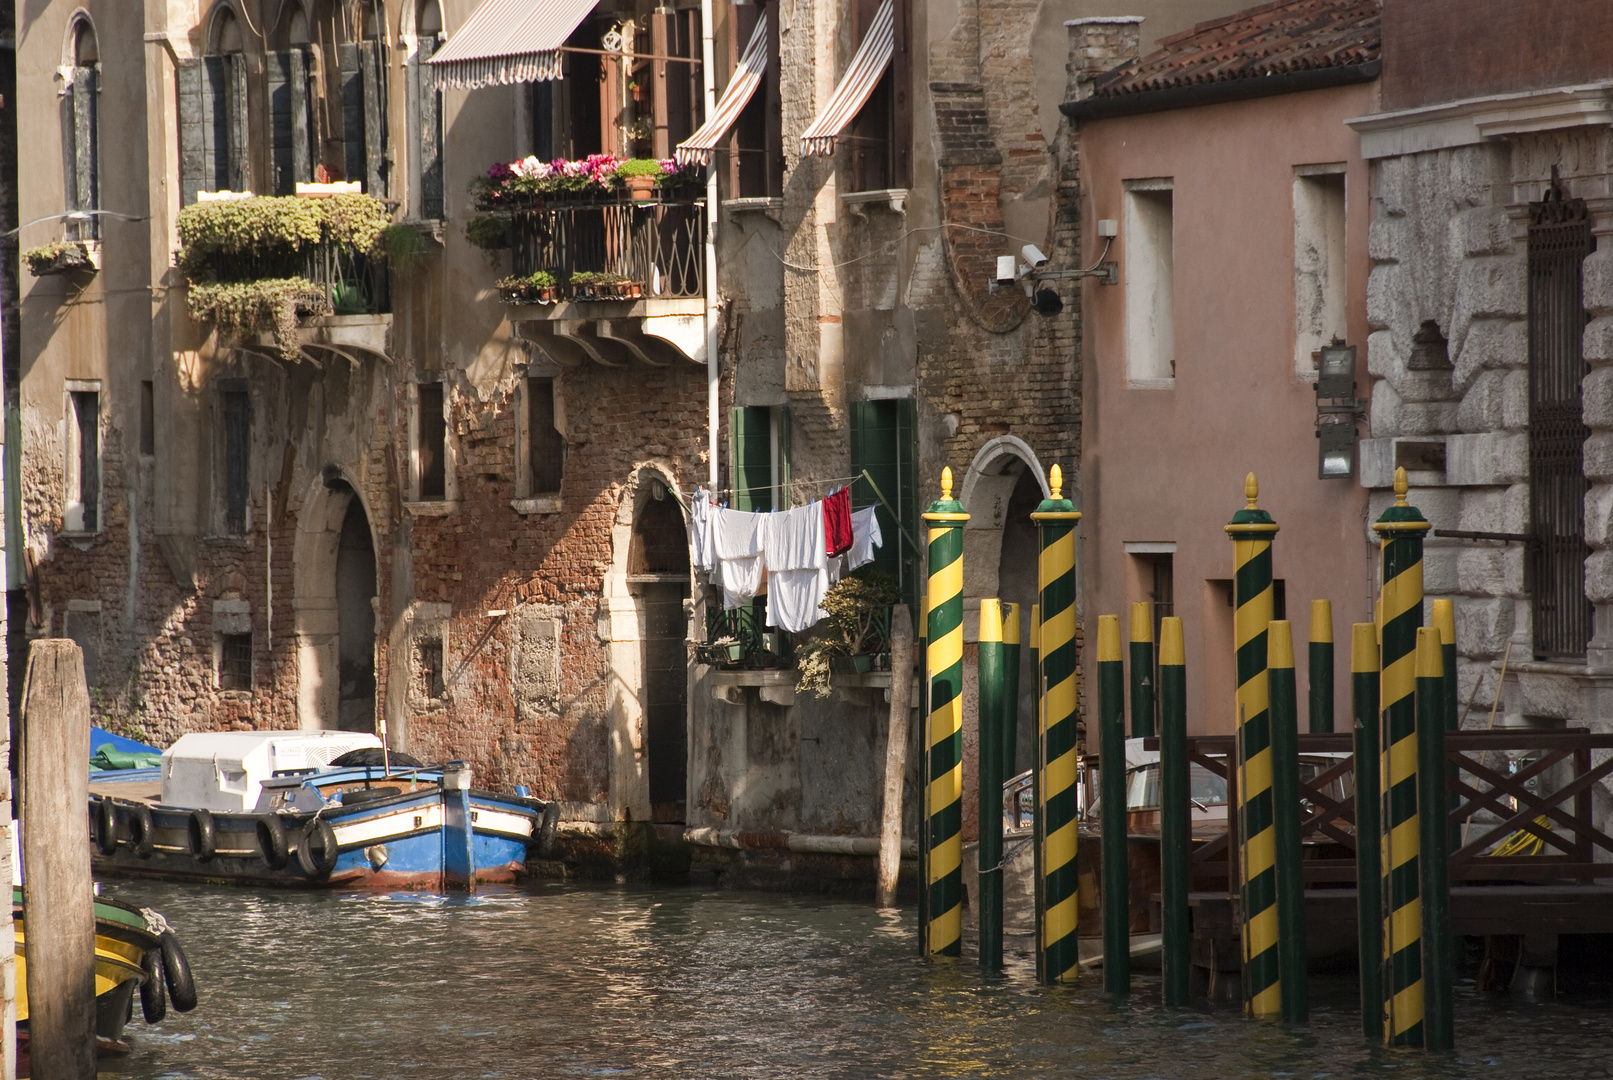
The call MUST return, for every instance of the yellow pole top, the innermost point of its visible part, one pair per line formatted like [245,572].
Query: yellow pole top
[1445,621]
[1322,621]
[1010,623]
[1430,664]
[1142,621]
[1055,481]
[991,621]
[1400,486]
[946,483]
[1171,652]
[1108,638]
[1036,626]
[1279,644]
[1251,491]
[1363,647]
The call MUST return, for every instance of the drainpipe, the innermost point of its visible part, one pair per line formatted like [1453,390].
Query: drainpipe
[708,68]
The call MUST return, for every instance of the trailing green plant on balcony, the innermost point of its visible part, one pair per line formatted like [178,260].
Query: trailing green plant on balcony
[858,625]
[534,288]
[256,265]
[63,257]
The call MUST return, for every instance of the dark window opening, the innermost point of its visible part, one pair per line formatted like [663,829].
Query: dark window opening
[884,445]
[431,449]
[1279,599]
[546,450]
[235,662]
[428,112]
[148,419]
[291,128]
[757,151]
[1559,240]
[81,141]
[428,663]
[84,495]
[880,136]
[236,406]
[660,541]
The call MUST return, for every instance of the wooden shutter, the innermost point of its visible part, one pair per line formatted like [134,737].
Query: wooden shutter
[428,113]
[370,72]
[750,458]
[363,130]
[237,171]
[786,473]
[883,445]
[215,127]
[352,84]
[290,123]
[192,121]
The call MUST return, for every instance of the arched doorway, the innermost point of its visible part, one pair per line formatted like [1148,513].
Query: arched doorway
[658,577]
[355,622]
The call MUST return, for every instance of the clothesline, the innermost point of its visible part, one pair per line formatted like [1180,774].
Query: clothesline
[793,483]
[896,516]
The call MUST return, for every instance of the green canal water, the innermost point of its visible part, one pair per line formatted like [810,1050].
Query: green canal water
[567,981]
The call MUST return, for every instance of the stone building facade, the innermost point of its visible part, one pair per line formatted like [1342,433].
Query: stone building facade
[1489,303]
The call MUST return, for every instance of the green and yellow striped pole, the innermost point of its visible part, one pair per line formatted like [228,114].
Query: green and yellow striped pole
[1284,714]
[944,662]
[1112,780]
[1321,673]
[1056,518]
[1432,797]
[1368,864]
[1251,531]
[1142,670]
[989,898]
[1175,824]
[1400,530]
[1010,721]
[1038,785]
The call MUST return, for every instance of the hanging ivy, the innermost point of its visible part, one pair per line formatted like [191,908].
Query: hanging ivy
[248,308]
[266,236]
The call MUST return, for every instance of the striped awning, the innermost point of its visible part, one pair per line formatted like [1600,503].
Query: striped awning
[873,57]
[697,148]
[508,41]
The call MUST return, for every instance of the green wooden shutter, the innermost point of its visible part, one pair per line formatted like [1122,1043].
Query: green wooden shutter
[215,125]
[352,84]
[750,456]
[883,446]
[290,122]
[236,162]
[192,119]
[785,470]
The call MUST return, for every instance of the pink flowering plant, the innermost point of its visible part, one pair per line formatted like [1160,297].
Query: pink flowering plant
[529,182]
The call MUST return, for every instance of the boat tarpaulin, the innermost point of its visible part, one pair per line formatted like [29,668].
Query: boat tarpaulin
[508,41]
[873,57]
[697,148]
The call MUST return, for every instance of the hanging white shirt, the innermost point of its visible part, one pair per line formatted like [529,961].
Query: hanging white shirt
[865,537]
[797,567]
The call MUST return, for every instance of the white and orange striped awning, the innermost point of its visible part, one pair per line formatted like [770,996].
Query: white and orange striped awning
[508,41]
[873,57]
[697,148]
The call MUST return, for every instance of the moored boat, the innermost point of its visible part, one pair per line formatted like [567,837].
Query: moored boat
[279,808]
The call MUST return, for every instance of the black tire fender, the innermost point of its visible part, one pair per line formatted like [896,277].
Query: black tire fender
[203,840]
[273,845]
[176,973]
[548,826]
[153,992]
[106,826]
[317,832]
[142,830]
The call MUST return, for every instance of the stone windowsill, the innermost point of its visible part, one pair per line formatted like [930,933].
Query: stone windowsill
[432,227]
[537,504]
[235,695]
[435,508]
[80,536]
[757,205]
[1150,384]
[893,198]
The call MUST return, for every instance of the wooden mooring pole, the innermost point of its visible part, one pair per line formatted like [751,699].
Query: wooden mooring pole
[1284,714]
[1115,875]
[989,855]
[1142,669]
[1175,817]
[1438,965]
[1368,864]
[58,897]
[890,822]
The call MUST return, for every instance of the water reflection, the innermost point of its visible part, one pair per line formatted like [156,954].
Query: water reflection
[575,982]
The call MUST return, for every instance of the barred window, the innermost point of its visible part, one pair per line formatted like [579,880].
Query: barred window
[235,662]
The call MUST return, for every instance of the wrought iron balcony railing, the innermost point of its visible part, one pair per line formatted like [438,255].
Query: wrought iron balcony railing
[655,246]
[354,282]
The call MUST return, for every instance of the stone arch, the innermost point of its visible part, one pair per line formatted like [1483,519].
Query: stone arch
[224,34]
[316,552]
[81,46]
[628,600]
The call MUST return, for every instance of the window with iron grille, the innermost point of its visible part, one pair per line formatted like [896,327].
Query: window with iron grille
[1559,239]
[428,669]
[235,662]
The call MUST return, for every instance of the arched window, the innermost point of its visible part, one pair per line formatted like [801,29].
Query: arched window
[425,111]
[81,141]
[290,71]
[213,123]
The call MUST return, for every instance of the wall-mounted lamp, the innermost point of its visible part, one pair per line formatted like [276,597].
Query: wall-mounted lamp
[1338,410]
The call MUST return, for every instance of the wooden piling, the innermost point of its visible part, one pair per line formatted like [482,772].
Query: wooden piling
[57,893]
[890,822]
[1175,817]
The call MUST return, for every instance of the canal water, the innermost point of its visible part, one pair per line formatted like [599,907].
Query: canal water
[567,981]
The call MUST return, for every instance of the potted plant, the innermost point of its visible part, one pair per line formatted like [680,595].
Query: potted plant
[64,257]
[585,284]
[853,635]
[640,175]
[682,182]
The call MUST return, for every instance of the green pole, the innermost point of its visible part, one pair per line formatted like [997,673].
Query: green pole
[944,663]
[1175,822]
[1368,865]
[1251,530]
[1321,673]
[1010,721]
[1286,819]
[1445,622]
[990,853]
[1142,670]
[1401,529]
[1431,793]
[1056,519]
[1112,781]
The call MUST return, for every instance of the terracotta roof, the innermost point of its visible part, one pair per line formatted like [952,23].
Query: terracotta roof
[1273,39]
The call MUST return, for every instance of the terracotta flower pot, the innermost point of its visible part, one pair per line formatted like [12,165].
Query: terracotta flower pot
[641,187]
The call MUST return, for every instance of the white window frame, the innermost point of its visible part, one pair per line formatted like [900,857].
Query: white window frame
[1321,209]
[72,480]
[1149,257]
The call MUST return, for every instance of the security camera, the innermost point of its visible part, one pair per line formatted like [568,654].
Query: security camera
[1033,255]
[1005,270]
